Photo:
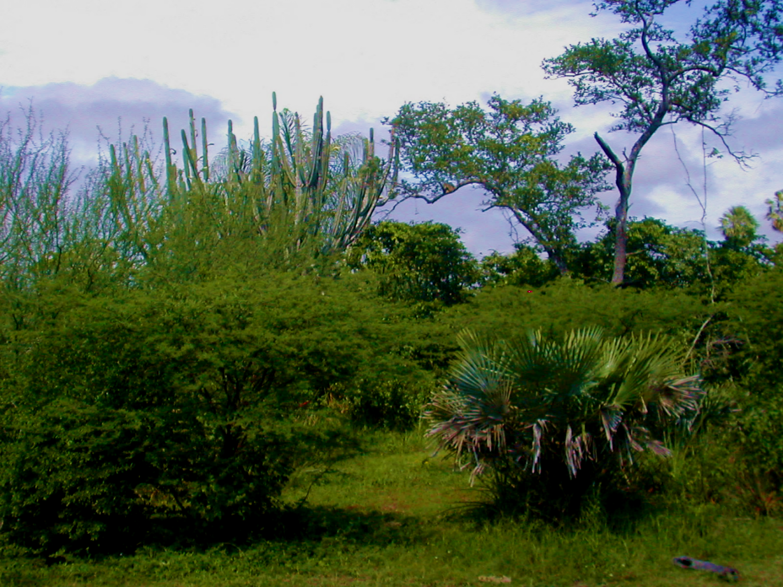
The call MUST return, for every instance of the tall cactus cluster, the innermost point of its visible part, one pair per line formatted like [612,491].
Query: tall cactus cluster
[293,184]
[303,191]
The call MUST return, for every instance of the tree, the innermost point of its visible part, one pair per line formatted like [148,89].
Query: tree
[664,256]
[509,152]
[654,77]
[658,255]
[775,214]
[738,226]
[423,263]
[523,267]
[549,415]
[742,254]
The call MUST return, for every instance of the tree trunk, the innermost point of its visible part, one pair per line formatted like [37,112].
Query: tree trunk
[623,181]
[621,239]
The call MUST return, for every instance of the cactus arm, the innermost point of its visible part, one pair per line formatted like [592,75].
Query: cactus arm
[170,171]
[257,162]
[204,149]
[187,161]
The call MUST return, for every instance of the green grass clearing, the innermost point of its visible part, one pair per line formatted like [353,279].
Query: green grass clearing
[385,517]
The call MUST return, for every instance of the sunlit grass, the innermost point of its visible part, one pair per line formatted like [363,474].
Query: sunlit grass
[387,516]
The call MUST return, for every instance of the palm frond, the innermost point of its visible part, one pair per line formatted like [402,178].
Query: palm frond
[514,402]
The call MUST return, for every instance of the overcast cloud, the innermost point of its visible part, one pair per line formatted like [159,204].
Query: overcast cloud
[87,62]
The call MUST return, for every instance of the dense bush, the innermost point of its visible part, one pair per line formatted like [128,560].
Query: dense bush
[568,303]
[523,268]
[425,264]
[755,320]
[176,403]
[392,404]
[659,255]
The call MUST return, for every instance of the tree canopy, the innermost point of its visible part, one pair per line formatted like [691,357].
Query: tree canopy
[422,263]
[509,151]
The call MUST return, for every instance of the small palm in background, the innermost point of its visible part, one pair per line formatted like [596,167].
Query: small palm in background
[558,421]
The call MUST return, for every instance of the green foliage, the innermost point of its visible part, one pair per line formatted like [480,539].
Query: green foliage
[775,212]
[568,303]
[69,470]
[299,187]
[757,436]
[731,267]
[662,74]
[755,318]
[391,404]
[176,404]
[509,152]
[522,268]
[655,77]
[386,516]
[663,256]
[739,227]
[658,255]
[555,418]
[286,203]
[422,263]
[38,237]
[756,315]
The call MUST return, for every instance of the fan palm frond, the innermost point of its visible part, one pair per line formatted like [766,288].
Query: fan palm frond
[582,397]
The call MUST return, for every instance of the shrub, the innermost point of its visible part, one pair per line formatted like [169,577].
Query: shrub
[555,420]
[391,404]
[755,320]
[567,304]
[174,404]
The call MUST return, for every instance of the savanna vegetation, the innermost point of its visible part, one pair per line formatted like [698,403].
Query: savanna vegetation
[225,373]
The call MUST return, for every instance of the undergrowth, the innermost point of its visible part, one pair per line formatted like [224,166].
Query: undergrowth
[391,514]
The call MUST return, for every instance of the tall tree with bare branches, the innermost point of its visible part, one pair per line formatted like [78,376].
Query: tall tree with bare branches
[659,80]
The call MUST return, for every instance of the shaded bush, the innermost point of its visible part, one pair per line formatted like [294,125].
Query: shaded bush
[176,404]
[755,319]
[568,303]
[391,404]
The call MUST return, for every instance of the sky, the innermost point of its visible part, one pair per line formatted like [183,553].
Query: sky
[108,68]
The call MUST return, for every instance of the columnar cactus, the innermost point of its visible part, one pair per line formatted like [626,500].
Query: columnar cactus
[299,188]
[299,182]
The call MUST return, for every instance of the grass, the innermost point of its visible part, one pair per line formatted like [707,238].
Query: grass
[386,516]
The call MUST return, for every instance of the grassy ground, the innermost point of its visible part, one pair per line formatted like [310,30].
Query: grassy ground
[384,520]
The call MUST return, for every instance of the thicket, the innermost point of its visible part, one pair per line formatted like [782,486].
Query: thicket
[179,401]
[163,340]
[173,350]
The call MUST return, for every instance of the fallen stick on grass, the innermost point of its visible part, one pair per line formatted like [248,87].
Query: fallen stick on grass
[687,562]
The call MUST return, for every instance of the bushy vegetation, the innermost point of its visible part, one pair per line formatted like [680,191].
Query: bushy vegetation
[231,355]
[177,403]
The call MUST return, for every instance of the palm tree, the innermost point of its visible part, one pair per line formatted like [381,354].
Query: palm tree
[552,418]
[739,226]
[775,213]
